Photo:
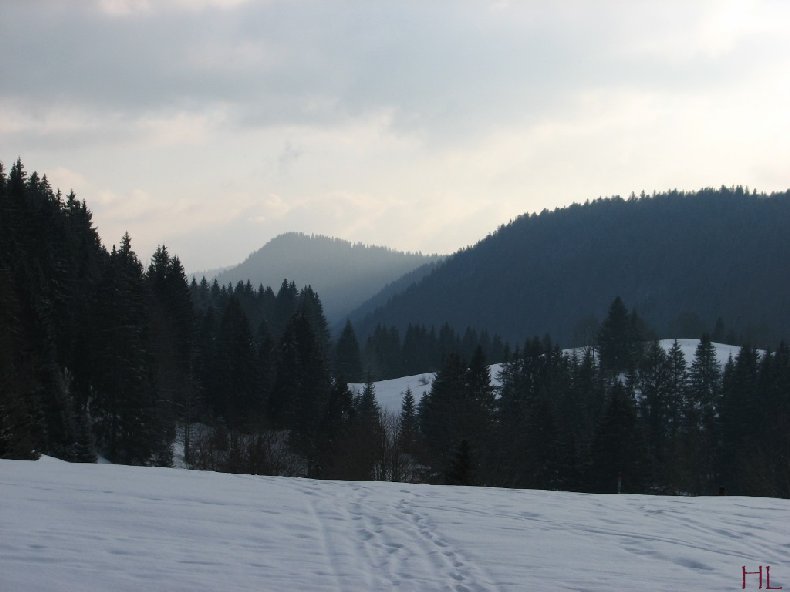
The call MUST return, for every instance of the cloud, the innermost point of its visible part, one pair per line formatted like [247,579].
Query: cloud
[125,8]
[288,157]
[65,178]
[214,125]
[441,73]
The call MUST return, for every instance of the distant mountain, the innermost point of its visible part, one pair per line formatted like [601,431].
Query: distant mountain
[209,274]
[342,273]
[682,260]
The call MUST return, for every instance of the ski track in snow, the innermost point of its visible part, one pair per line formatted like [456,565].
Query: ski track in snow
[87,528]
[391,544]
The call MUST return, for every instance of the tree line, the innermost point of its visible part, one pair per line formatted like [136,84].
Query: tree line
[625,415]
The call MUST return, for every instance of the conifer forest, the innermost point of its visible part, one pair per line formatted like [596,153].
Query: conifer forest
[105,355]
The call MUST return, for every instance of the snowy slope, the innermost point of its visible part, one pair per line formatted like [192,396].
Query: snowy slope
[113,528]
[389,393]
[689,347]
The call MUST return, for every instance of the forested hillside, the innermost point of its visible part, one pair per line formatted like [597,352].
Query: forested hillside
[683,260]
[345,275]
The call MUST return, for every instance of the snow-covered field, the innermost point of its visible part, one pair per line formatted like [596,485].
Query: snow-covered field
[389,393]
[112,528]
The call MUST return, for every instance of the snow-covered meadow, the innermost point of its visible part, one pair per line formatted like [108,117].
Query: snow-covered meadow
[86,528]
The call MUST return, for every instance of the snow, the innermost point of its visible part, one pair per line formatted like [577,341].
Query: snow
[96,528]
[689,348]
[389,393]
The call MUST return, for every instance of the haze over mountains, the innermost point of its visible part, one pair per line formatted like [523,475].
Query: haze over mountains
[682,260]
[344,275]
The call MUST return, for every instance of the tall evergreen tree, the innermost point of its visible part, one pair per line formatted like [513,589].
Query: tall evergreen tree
[459,407]
[619,339]
[301,388]
[461,471]
[618,447]
[348,362]
[236,370]
[125,402]
[368,434]
[741,419]
[655,401]
[701,418]
[408,428]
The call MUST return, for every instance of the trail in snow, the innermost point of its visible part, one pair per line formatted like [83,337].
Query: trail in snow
[104,527]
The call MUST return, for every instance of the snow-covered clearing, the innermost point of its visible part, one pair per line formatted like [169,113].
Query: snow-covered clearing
[389,393]
[112,528]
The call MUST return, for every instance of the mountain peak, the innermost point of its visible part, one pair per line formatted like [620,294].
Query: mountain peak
[344,274]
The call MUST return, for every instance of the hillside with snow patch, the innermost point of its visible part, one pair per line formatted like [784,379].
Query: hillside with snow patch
[389,393]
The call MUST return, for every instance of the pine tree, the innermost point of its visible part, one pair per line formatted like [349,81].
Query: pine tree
[335,438]
[461,470]
[702,406]
[653,383]
[311,308]
[368,434]
[348,363]
[170,335]
[615,340]
[677,379]
[741,419]
[19,429]
[236,369]
[125,401]
[407,435]
[620,340]
[458,407]
[618,447]
[84,447]
[301,388]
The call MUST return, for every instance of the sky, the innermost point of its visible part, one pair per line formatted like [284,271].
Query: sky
[212,126]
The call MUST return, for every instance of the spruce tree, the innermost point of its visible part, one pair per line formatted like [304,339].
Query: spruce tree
[701,422]
[301,388]
[368,434]
[741,419]
[335,438]
[348,363]
[653,383]
[407,434]
[618,447]
[461,471]
[615,340]
[125,401]
[458,407]
[237,370]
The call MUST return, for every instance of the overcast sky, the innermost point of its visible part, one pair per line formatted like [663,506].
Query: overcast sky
[214,125]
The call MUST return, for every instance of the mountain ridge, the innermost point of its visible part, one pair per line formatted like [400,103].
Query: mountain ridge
[682,260]
[344,274]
